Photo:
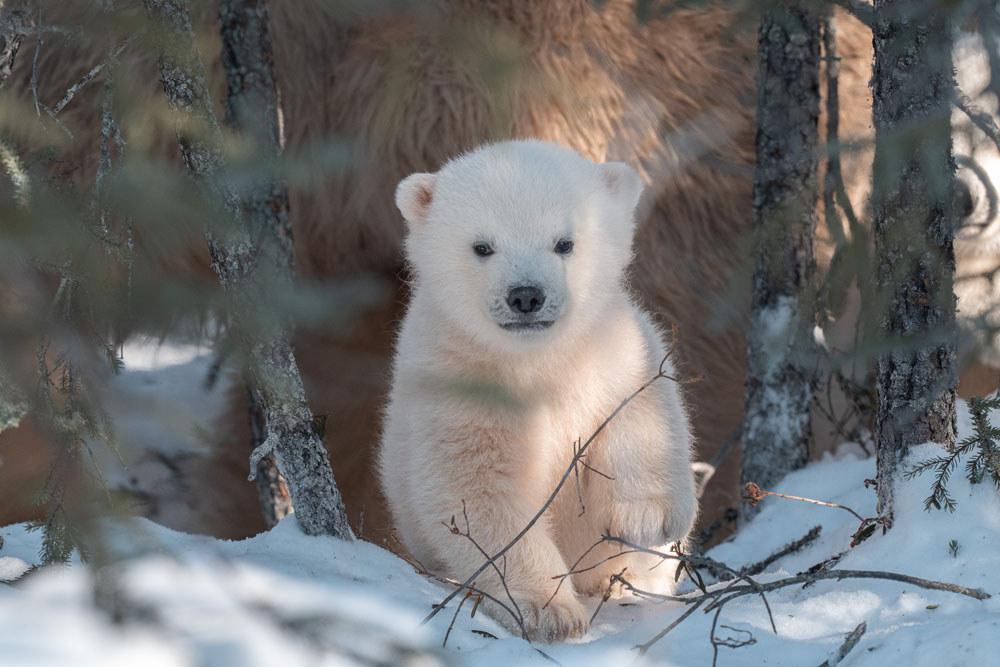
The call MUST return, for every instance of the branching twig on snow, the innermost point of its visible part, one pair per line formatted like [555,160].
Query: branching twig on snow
[789,548]
[715,600]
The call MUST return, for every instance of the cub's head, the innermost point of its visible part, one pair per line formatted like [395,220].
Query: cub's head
[521,242]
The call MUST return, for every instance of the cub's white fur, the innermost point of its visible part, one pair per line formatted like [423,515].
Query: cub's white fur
[491,390]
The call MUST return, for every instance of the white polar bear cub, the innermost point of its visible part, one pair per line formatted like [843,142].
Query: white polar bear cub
[520,339]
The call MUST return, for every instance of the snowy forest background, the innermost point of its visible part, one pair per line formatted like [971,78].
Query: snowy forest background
[192,190]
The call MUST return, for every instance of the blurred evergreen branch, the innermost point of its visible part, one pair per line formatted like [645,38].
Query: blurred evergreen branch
[983,446]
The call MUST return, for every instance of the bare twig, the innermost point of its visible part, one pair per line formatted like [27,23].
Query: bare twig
[660,597]
[642,648]
[34,63]
[454,616]
[754,494]
[89,76]
[579,461]
[698,561]
[576,473]
[809,577]
[607,593]
[852,639]
[980,118]
[789,548]
[729,642]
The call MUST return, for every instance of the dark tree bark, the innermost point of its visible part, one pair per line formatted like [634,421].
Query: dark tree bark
[261,336]
[912,84]
[11,33]
[780,347]
[253,108]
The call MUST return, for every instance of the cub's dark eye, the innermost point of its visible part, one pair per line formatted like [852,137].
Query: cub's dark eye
[482,249]
[564,247]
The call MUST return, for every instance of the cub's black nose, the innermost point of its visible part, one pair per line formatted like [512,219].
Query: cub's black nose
[525,299]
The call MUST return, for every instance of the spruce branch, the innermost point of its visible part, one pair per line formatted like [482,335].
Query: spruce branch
[983,447]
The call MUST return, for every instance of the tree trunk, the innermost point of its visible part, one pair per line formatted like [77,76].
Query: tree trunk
[912,84]
[264,342]
[780,348]
[253,108]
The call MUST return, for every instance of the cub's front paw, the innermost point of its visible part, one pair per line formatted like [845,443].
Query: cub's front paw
[563,618]
[654,522]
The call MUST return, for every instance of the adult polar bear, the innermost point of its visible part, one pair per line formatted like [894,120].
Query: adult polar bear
[519,340]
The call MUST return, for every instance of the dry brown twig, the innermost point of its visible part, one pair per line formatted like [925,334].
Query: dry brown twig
[754,494]
[607,592]
[454,616]
[576,471]
[729,642]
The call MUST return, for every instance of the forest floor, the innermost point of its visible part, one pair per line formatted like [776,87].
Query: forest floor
[285,598]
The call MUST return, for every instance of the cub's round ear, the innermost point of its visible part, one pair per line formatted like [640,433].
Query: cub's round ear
[414,195]
[623,182]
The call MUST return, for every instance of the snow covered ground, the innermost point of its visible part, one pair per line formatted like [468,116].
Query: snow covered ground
[286,598]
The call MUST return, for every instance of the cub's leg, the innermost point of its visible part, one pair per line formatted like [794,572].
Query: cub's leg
[501,491]
[650,500]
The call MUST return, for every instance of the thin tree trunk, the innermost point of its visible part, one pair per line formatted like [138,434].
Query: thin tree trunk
[780,349]
[253,107]
[912,85]
[264,342]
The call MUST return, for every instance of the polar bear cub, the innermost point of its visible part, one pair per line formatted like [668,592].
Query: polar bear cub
[520,339]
